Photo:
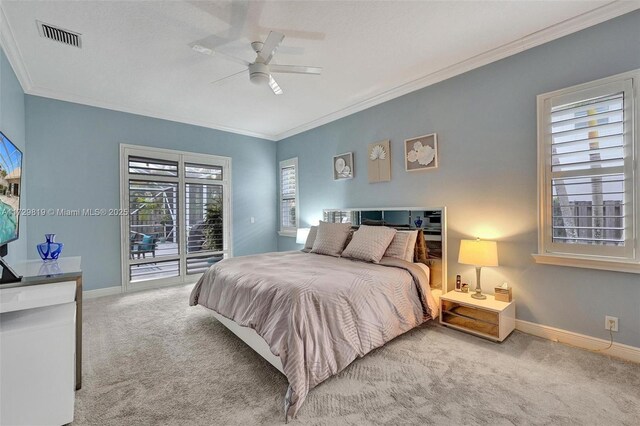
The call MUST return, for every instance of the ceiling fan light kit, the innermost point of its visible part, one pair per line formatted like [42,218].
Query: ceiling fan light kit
[260,72]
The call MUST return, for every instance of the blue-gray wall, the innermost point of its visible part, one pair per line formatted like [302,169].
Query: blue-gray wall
[74,164]
[486,125]
[12,124]
[485,120]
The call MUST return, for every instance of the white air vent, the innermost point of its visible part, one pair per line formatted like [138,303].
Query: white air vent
[58,34]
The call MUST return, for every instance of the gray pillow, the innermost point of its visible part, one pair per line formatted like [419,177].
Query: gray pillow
[369,243]
[308,245]
[403,245]
[330,238]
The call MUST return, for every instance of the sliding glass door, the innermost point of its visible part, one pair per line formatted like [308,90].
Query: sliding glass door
[178,215]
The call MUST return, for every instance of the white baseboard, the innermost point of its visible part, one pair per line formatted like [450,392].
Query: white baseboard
[618,350]
[110,291]
[155,286]
[99,292]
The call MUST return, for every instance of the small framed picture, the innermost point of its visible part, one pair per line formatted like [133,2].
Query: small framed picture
[343,166]
[421,153]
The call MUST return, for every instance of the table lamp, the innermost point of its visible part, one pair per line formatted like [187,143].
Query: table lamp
[478,253]
[301,235]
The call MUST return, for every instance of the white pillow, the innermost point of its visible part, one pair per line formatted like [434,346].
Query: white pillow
[330,238]
[369,243]
[403,245]
[308,244]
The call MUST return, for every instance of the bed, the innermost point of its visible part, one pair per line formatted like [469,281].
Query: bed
[311,315]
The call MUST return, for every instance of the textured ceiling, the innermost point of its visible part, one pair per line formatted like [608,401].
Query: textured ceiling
[135,55]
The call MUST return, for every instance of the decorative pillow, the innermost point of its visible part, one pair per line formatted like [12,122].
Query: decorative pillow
[421,253]
[403,245]
[348,240]
[369,243]
[330,238]
[308,245]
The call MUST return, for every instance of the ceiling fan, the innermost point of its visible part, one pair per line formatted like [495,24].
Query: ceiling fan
[261,70]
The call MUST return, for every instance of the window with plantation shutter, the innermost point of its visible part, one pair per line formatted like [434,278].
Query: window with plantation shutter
[588,177]
[289,197]
[178,215]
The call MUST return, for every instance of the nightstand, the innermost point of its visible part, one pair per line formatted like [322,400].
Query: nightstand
[488,318]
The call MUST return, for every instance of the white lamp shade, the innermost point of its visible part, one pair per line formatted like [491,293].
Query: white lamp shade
[478,253]
[301,235]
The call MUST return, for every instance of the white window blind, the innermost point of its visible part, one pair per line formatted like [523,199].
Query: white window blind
[152,166]
[205,221]
[588,182]
[587,171]
[289,196]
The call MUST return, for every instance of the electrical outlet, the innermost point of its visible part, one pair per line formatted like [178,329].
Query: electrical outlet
[611,323]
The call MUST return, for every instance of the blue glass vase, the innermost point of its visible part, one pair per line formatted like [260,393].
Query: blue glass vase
[418,222]
[49,249]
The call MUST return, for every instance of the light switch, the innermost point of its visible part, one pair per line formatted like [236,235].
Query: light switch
[253,219]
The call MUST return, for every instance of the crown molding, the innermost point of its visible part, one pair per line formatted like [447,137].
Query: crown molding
[10,47]
[68,97]
[561,29]
[8,44]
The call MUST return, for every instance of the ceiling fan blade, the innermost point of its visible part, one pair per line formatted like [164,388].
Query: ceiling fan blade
[233,58]
[295,69]
[270,46]
[220,80]
[207,51]
[274,86]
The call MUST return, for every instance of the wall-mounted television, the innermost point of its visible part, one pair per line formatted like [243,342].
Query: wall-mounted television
[10,187]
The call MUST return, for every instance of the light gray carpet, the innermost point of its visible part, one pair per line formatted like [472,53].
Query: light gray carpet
[152,359]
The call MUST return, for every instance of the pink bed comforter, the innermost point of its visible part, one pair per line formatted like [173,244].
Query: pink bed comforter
[317,313]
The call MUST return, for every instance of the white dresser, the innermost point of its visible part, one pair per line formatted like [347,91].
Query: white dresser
[38,344]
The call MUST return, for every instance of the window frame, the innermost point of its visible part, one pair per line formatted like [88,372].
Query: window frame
[182,158]
[290,231]
[626,259]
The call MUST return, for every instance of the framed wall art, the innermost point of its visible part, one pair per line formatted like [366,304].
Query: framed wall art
[379,162]
[343,166]
[421,153]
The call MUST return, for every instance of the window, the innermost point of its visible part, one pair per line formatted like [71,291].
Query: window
[289,197]
[588,175]
[178,213]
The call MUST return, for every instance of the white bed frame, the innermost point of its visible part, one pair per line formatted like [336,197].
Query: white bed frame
[253,339]
[258,344]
